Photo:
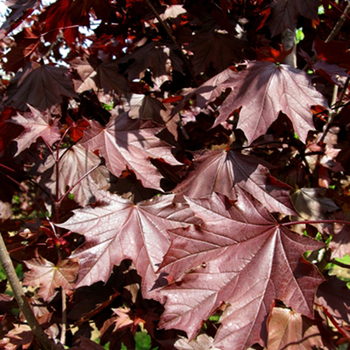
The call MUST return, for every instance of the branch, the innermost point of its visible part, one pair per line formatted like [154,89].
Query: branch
[334,31]
[291,223]
[170,35]
[339,24]
[338,263]
[22,301]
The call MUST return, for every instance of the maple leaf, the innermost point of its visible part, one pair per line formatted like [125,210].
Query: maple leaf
[263,90]
[126,143]
[287,328]
[18,9]
[334,295]
[240,256]
[27,40]
[122,230]
[202,342]
[156,56]
[330,71]
[311,203]
[42,88]
[219,49]
[103,78]
[147,108]
[222,171]
[73,166]
[87,344]
[50,276]
[56,18]
[340,243]
[76,128]
[333,52]
[21,336]
[285,14]
[36,124]
[80,10]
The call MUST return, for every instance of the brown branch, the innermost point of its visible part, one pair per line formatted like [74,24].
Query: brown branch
[334,31]
[22,301]
[338,263]
[170,35]
[339,24]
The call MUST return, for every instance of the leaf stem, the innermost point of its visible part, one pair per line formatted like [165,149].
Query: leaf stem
[291,223]
[22,301]
[77,182]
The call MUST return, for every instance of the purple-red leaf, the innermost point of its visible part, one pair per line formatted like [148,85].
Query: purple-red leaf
[103,78]
[263,90]
[126,143]
[240,256]
[36,124]
[285,13]
[223,171]
[42,88]
[121,230]
[75,163]
[49,276]
[291,330]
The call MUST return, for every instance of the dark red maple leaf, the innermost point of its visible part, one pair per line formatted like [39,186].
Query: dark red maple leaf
[340,243]
[240,256]
[36,124]
[87,344]
[49,276]
[330,71]
[28,40]
[285,14]
[146,107]
[263,90]
[121,230]
[102,77]
[76,128]
[42,88]
[334,295]
[56,18]
[333,52]
[222,171]
[126,143]
[219,49]
[158,57]
[75,163]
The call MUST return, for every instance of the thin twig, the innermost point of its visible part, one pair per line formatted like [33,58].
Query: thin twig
[338,263]
[168,31]
[339,24]
[291,223]
[64,316]
[22,301]
[77,182]
[336,108]
[334,31]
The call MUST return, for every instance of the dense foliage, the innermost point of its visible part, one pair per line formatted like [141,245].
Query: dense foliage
[176,174]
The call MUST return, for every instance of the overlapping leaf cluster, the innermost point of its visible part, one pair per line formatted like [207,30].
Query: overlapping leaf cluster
[163,168]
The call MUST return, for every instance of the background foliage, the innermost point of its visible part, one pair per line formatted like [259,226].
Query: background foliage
[168,181]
